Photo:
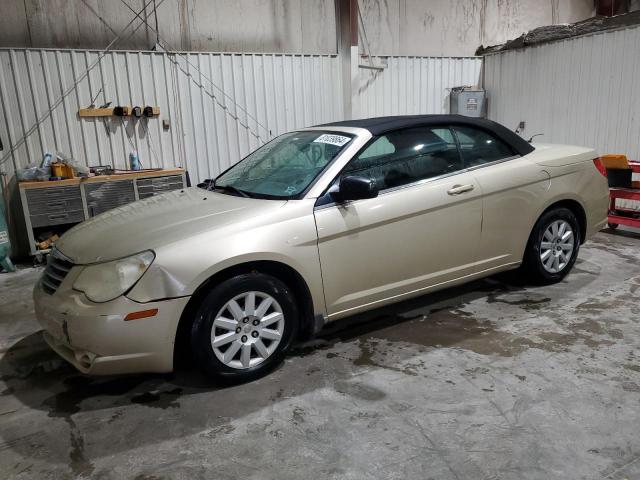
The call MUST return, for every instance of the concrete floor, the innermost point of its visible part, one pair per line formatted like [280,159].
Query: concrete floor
[489,381]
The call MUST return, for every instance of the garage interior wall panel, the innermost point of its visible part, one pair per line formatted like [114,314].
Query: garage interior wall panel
[582,91]
[412,85]
[219,106]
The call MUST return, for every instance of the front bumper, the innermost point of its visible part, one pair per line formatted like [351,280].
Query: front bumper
[94,337]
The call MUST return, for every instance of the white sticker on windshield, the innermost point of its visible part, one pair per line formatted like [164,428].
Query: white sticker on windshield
[338,140]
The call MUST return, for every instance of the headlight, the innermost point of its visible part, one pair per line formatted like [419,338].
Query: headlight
[105,281]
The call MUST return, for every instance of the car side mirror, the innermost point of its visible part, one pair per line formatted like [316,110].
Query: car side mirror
[355,188]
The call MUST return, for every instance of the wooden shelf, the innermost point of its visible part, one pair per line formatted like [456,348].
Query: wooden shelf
[108,112]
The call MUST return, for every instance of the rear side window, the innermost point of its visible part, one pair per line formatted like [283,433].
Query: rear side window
[406,156]
[479,147]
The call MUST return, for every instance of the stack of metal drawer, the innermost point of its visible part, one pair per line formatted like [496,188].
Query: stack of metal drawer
[55,205]
[103,196]
[148,187]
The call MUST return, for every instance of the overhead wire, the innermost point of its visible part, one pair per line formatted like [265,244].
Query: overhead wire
[79,79]
[138,16]
[157,28]
[144,122]
[367,47]
[177,105]
[237,106]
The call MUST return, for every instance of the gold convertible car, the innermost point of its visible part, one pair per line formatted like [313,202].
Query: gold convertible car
[314,226]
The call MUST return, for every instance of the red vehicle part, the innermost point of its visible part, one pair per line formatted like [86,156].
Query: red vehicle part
[621,216]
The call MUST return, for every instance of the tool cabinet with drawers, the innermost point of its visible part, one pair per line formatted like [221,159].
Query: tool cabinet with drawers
[57,205]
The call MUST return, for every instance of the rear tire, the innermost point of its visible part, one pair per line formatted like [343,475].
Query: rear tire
[244,327]
[553,246]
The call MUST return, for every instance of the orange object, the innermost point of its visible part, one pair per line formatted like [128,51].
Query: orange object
[615,161]
[141,314]
[61,170]
[635,184]
[48,242]
[57,170]
[67,171]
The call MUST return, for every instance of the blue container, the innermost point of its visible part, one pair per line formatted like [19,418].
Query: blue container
[134,161]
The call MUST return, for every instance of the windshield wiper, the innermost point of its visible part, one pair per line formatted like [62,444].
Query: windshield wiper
[232,189]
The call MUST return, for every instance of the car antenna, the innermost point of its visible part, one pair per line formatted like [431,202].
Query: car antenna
[534,136]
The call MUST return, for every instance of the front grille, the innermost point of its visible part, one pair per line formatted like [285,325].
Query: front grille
[57,269]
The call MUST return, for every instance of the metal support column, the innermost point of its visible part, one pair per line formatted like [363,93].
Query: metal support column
[348,52]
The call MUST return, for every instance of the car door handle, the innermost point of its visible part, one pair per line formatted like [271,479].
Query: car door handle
[458,189]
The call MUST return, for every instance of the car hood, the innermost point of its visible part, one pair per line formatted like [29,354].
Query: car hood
[157,221]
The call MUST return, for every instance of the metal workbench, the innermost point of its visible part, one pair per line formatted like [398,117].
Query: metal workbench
[63,203]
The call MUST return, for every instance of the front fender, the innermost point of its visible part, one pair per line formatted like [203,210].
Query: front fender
[289,238]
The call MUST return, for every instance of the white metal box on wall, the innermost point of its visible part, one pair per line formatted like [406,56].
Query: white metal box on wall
[468,101]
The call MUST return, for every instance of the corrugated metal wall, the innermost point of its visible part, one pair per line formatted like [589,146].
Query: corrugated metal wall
[219,106]
[413,85]
[580,91]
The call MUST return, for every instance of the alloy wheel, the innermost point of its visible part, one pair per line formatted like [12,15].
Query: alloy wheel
[556,248]
[247,330]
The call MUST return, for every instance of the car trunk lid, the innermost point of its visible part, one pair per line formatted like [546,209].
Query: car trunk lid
[553,155]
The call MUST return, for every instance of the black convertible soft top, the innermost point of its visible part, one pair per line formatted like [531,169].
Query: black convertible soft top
[381,125]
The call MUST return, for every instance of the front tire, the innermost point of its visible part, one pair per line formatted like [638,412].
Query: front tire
[553,246]
[244,327]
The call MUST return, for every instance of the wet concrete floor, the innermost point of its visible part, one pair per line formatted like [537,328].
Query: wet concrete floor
[492,380]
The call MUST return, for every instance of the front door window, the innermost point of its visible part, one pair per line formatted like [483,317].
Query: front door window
[407,156]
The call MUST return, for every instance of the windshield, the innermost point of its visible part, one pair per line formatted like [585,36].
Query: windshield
[284,167]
